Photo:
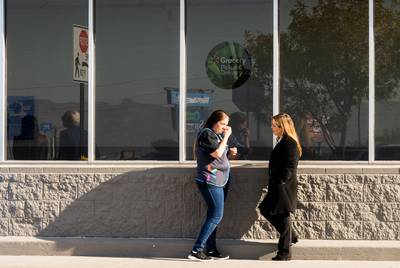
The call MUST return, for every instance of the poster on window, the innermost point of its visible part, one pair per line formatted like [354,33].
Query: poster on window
[80,53]
[198,103]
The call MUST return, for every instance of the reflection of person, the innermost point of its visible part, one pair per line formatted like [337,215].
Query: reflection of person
[30,144]
[305,135]
[70,147]
[240,137]
[212,181]
[281,198]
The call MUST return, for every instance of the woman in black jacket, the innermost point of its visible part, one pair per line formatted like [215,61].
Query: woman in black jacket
[281,198]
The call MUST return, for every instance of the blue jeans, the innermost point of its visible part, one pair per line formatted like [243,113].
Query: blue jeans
[214,197]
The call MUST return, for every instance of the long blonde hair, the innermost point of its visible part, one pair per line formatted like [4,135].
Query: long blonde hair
[285,122]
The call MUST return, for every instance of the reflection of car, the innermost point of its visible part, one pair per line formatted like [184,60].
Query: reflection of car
[387,152]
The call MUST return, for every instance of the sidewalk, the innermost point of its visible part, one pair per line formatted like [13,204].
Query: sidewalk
[176,248]
[98,262]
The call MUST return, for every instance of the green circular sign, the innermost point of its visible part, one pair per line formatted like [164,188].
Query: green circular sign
[228,65]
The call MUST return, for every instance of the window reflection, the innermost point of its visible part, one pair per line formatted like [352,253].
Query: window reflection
[40,85]
[387,77]
[229,48]
[324,76]
[30,144]
[73,139]
[137,58]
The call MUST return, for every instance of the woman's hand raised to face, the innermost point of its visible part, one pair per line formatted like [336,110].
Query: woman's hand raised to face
[227,131]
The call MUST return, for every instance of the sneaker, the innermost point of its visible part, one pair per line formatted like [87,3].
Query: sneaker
[199,256]
[216,255]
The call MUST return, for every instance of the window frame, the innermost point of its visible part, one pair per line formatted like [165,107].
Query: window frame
[182,84]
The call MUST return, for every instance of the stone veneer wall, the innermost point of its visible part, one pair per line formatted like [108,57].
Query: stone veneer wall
[334,203]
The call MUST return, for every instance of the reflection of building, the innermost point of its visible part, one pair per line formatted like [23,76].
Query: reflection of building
[198,103]
[198,107]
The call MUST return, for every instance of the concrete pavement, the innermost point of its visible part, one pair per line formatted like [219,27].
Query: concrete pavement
[176,248]
[102,262]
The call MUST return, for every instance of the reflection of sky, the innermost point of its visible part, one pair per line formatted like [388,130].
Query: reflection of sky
[39,64]
[394,5]
[137,51]
[137,45]
[45,4]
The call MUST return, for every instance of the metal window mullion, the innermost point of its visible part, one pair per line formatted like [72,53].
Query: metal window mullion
[182,82]
[371,93]
[276,66]
[91,83]
[3,87]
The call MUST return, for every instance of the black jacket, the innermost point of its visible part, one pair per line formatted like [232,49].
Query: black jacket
[282,189]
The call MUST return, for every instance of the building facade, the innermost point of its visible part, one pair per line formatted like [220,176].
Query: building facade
[102,99]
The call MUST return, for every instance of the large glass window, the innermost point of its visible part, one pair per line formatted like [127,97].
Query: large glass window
[387,77]
[229,67]
[137,79]
[324,68]
[324,76]
[43,102]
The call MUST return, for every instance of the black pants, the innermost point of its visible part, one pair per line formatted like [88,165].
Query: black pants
[283,225]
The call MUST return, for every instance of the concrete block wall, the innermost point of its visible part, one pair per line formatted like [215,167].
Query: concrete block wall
[161,202]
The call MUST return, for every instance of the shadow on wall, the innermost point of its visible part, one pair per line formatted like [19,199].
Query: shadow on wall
[149,203]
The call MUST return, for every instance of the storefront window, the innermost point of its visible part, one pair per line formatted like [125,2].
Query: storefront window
[387,78]
[43,100]
[229,67]
[324,76]
[137,75]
